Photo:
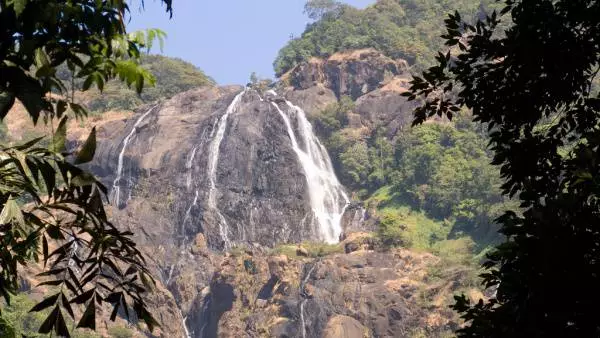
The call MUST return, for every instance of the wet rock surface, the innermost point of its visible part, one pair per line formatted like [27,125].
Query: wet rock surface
[261,192]
[260,187]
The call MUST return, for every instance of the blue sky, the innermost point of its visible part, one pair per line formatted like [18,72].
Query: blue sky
[228,39]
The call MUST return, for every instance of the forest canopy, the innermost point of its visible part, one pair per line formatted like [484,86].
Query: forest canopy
[408,29]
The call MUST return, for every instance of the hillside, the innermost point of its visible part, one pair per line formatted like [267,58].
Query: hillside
[116,101]
[407,29]
[172,75]
[440,168]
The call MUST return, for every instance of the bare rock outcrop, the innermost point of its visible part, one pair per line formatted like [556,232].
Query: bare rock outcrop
[365,293]
[164,181]
[353,73]
[344,327]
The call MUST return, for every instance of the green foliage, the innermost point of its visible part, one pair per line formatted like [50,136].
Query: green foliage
[258,83]
[440,168]
[406,29]
[93,261]
[317,9]
[543,116]
[445,171]
[253,78]
[3,132]
[455,251]
[172,76]
[88,36]
[48,201]
[363,162]
[238,250]
[356,162]
[314,249]
[334,116]
[120,332]
[20,322]
[319,249]
[401,225]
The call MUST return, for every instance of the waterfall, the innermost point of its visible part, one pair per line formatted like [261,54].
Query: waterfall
[116,188]
[185,329]
[302,293]
[188,165]
[213,160]
[327,197]
[186,218]
[170,274]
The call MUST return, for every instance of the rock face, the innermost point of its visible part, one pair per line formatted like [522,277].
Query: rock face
[344,327]
[241,166]
[353,73]
[366,293]
[372,79]
[204,162]
[211,169]
[218,168]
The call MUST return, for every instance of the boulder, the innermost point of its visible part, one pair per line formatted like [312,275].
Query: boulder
[277,265]
[344,327]
[356,241]
[199,246]
[301,251]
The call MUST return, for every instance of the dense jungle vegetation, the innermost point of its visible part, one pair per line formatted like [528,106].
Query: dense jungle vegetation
[408,29]
[441,169]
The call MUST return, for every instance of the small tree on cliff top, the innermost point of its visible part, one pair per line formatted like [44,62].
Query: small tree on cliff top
[51,210]
[531,84]
[317,9]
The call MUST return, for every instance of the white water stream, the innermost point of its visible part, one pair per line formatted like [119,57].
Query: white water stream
[186,331]
[116,188]
[327,197]
[302,291]
[213,160]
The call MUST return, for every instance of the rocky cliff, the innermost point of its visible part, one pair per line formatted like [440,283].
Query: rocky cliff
[365,291]
[215,169]
[220,184]
[224,162]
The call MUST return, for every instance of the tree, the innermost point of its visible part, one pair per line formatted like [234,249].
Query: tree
[529,80]
[407,29]
[253,79]
[317,9]
[52,210]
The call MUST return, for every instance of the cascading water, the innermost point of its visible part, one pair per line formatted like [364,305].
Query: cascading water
[327,197]
[302,292]
[116,188]
[188,166]
[186,218]
[213,160]
[185,329]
